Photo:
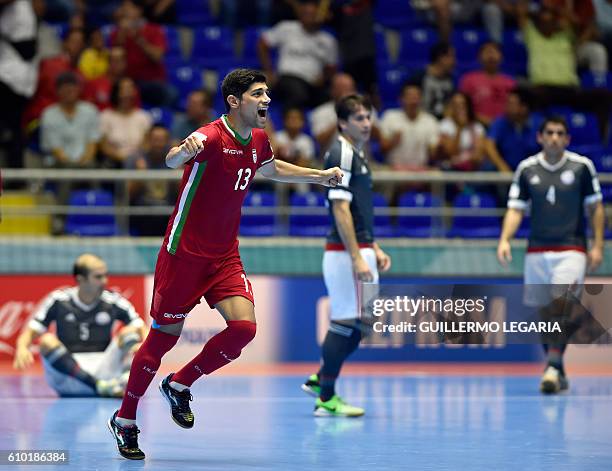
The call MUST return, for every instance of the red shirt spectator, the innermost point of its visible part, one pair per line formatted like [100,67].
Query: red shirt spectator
[488,88]
[50,69]
[144,43]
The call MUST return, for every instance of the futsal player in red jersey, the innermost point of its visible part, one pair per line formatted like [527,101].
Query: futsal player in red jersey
[199,256]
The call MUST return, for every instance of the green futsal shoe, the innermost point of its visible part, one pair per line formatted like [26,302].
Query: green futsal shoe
[312,386]
[336,407]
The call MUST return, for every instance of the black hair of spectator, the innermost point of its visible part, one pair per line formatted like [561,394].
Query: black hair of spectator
[238,81]
[523,95]
[291,110]
[410,83]
[554,119]
[489,43]
[439,50]
[208,98]
[114,94]
[347,105]
[65,78]
[468,104]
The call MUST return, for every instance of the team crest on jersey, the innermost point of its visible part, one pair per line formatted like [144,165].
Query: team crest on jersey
[254,156]
[568,177]
[70,317]
[535,180]
[103,318]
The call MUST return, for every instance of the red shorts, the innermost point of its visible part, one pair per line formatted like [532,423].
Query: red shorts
[180,283]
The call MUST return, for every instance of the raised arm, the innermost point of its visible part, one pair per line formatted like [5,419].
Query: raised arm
[281,171]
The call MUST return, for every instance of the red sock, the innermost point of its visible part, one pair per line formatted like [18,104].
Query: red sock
[218,351]
[144,366]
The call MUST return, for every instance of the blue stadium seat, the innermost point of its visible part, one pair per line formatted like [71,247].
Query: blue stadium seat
[382,50]
[584,128]
[467,42]
[173,42]
[90,224]
[162,116]
[185,79]
[602,158]
[474,227]
[193,13]
[514,51]
[258,225]
[382,223]
[396,14]
[588,80]
[249,47]
[416,44]
[308,225]
[419,225]
[390,81]
[213,47]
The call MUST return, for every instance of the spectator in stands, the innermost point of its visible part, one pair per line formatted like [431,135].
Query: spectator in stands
[160,11]
[124,125]
[145,46]
[17,76]
[70,129]
[307,58]
[436,80]
[446,12]
[580,16]
[488,88]
[462,138]
[323,119]
[410,135]
[552,64]
[603,18]
[292,143]
[49,70]
[354,22]
[94,59]
[151,156]
[512,137]
[98,91]
[48,41]
[198,112]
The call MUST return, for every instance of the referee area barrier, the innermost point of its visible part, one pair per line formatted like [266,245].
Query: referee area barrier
[26,251]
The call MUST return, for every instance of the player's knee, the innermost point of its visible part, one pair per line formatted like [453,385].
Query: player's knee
[48,342]
[243,332]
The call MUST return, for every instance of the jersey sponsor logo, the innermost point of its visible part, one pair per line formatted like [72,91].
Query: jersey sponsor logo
[535,180]
[254,156]
[568,177]
[103,318]
[232,151]
[168,315]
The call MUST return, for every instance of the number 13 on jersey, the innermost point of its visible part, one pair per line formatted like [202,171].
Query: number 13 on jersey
[242,183]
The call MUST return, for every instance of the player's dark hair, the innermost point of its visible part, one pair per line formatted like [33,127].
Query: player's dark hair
[555,119]
[347,105]
[238,81]
[438,50]
[80,269]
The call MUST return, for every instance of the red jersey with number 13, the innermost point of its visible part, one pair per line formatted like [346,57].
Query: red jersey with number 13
[206,217]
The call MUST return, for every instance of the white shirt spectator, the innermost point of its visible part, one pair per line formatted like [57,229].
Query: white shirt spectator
[302,145]
[17,23]
[125,131]
[417,137]
[466,140]
[72,135]
[302,54]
